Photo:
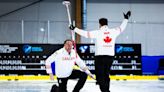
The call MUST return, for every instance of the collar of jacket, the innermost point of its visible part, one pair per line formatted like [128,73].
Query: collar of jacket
[65,51]
[104,27]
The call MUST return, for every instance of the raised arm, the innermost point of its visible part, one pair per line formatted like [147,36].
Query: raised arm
[123,25]
[79,31]
[87,34]
[125,21]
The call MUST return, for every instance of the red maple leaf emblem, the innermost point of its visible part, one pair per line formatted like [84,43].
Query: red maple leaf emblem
[108,39]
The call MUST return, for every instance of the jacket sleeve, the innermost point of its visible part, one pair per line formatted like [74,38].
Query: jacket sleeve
[80,62]
[123,25]
[81,32]
[48,62]
[87,34]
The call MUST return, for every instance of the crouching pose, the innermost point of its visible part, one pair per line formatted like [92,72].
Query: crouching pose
[65,59]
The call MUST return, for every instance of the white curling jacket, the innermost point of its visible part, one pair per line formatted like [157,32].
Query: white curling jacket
[104,38]
[64,62]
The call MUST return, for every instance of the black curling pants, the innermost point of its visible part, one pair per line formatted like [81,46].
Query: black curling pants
[76,74]
[103,64]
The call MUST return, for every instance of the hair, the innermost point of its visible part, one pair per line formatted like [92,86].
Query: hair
[67,40]
[103,21]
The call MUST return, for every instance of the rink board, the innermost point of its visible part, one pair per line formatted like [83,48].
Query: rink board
[112,78]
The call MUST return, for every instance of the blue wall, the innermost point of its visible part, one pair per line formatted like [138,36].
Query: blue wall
[150,65]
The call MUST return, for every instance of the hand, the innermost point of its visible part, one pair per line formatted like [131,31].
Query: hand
[89,73]
[127,15]
[51,76]
[71,27]
[92,76]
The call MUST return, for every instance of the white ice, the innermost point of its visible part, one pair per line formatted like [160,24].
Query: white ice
[90,86]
